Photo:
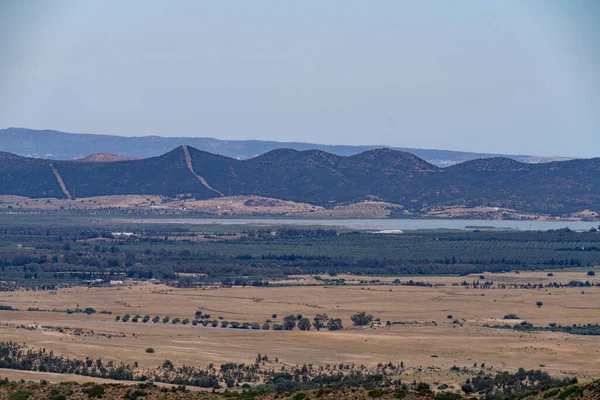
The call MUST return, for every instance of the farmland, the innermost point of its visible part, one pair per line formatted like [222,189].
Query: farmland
[440,306]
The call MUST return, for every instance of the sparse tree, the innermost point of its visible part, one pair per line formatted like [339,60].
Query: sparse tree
[304,324]
[320,321]
[361,319]
[289,322]
[334,324]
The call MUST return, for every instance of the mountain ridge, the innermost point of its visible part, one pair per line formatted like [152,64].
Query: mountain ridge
[317,177]
[66,146]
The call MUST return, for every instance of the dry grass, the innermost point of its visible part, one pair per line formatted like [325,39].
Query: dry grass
[453,344]
[229,205]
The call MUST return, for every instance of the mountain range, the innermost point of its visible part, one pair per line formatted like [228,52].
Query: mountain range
[67,146]
[318,178]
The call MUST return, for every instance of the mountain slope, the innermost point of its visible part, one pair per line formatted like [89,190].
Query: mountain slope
[318,178]
[66,146]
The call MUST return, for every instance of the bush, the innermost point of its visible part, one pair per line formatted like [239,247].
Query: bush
[511,316]
[447,396]
[539,304]
[467,388]
[20,395]
[591,273]
[265,327]
[95,391]
[300,396]
[574,390]
[375,393]
[149,350]
[551,393]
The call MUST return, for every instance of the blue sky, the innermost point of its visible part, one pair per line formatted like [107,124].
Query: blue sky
[506,76]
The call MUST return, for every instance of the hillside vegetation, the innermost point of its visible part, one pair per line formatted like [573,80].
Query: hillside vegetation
[318,178]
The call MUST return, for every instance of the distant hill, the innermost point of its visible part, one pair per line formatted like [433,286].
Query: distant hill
[104,157]
[317,177]
[68,146]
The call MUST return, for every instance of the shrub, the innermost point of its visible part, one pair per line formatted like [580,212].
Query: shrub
[447,396]
[300,396]
[265,327]
[20,395]
[149,350]
[95,391]
[467,388]
[156,319]
[511,316]
[551,393]
[449,316]
[574,390]
[591,273]
[376,393]
[539,304]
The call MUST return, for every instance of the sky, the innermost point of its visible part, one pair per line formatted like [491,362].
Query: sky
[505,76]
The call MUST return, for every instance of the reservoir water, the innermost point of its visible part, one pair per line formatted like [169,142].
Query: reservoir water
[381,224]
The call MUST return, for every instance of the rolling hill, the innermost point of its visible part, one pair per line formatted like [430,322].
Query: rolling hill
[67,146]
[318,178]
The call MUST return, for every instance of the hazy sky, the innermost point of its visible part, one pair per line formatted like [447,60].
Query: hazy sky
[511,76]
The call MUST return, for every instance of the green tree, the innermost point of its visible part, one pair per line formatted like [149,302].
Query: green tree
[361,319]
[334,324]
[320,321]
[289,322]
[304,324]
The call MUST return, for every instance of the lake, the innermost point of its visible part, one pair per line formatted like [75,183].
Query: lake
[379,224]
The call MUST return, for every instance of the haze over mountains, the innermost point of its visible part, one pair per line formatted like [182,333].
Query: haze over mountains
[67,146]
[317,177]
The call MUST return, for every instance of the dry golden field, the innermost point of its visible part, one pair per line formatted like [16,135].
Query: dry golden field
[420,343]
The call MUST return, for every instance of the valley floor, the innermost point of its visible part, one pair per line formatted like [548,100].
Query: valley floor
[436,327]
